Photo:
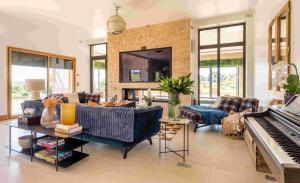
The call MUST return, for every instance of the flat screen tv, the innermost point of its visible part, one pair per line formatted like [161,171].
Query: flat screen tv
[149,65]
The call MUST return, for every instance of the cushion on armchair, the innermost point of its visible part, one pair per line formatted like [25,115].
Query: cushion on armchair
[228,104]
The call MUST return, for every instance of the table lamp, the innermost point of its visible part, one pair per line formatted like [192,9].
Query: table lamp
[35,86]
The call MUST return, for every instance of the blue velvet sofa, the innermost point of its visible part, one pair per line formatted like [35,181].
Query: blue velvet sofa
[146,125]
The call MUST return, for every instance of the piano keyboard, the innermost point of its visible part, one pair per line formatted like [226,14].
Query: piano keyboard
[290,147]
[263,128]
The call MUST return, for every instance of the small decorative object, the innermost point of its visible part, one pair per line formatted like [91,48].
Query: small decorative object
[35,86]
[67,113]
[149,98]
[29,111]
[175,87]
[25,141]
[116,24]
[289,82]
[49,116]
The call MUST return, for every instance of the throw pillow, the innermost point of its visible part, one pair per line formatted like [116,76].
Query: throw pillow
[59,97]
[92,104]
[81,96]
[92,97]
[217,102]
[72,97]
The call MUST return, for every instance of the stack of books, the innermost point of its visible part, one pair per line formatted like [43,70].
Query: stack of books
[49,155]
[68,129]
[50,142]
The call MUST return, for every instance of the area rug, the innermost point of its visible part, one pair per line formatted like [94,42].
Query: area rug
[172,130]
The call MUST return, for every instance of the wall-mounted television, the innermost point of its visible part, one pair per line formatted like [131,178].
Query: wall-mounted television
[148,65]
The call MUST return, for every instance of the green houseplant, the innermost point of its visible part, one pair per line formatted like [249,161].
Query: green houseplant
[289,82]
[175,87]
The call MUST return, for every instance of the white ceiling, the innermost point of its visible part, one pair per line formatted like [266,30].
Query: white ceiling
[91,15]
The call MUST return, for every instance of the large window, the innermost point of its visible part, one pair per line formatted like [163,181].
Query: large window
[98,69]
[57,71]
[221,62]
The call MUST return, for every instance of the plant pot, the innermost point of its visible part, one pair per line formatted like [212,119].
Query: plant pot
[287,98]
[174,105]
[49,118]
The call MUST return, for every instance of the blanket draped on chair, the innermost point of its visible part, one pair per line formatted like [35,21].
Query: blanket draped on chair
[210,115]
[111,122]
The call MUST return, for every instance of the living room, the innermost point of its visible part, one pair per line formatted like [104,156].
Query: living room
[154,91]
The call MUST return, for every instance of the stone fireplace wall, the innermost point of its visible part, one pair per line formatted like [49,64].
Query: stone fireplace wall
[174,34]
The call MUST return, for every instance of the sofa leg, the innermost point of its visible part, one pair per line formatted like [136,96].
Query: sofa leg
[150,140]
[195,128]
[125,151]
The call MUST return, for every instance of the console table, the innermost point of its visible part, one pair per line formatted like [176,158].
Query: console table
[185,123]
[71,143]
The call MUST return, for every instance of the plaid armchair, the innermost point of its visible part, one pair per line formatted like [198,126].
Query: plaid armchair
[227,103]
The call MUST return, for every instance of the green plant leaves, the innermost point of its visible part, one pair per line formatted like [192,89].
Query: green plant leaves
[181,85]
[292,86]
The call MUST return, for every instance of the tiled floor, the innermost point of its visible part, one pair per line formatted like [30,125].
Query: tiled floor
[214,158]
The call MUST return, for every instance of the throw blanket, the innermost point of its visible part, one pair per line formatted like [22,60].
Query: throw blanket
[112,122]
[210,115]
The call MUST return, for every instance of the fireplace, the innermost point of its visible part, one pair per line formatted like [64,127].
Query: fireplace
[132,94]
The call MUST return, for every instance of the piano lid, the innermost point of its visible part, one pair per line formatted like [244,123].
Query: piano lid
[292,109]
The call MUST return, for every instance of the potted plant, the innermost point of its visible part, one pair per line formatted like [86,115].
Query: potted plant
[289,82]
[175,87]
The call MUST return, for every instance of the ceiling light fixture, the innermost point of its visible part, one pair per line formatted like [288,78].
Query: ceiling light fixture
[116,24]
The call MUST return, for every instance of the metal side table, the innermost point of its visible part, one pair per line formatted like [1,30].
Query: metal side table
[185,123]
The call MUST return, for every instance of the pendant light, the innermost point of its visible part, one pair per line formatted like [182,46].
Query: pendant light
[116,24]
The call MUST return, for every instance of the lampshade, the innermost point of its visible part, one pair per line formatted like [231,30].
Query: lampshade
[35,84]
[116,24]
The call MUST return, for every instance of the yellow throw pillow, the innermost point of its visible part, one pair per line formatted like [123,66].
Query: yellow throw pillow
[67,114]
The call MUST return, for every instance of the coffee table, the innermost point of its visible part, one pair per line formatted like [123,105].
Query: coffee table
[71,143]
[185,123]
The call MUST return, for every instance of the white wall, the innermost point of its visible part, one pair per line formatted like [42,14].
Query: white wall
[264,13]
[53,36]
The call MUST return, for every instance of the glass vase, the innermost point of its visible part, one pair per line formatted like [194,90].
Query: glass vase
[49,118]
[174,105]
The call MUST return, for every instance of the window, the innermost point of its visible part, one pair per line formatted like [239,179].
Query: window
[98,69]
[221,62]
[57,72]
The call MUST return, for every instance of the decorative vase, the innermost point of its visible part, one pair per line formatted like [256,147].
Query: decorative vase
[149,102]
[287,98]
[174,104]
[49,118]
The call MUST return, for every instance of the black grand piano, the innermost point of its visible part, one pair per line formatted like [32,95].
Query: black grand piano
[276,133]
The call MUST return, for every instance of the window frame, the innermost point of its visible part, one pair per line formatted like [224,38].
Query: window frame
[11,49]
[218,46]
[92,58]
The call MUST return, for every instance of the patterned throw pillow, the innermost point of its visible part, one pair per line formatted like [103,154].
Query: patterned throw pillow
[59,97]
[230,104]
[234,123]
[72,97]
[92,97]
[249,103]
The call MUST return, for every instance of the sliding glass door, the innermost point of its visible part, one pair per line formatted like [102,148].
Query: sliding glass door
[221,62]
[57,71]
[98,69]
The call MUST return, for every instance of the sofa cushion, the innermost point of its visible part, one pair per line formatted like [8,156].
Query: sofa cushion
[230,104]
[81,96]
[59,97]
[72,97]
[249,103]
[92,97]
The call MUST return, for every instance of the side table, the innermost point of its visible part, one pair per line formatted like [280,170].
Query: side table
[185,123]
